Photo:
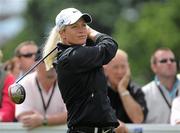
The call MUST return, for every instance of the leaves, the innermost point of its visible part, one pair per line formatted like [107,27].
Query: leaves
[157,26]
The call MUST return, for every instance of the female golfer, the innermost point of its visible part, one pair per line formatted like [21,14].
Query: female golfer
[80,74]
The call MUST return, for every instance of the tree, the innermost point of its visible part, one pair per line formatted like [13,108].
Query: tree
[154,25]
[40,17]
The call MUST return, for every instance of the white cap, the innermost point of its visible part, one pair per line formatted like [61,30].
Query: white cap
[69,16]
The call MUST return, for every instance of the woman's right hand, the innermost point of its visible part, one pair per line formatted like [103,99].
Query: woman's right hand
[91,33]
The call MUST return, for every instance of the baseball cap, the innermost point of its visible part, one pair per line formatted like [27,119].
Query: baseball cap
[69,16]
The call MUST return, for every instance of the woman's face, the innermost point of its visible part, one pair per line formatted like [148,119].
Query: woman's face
[75,33]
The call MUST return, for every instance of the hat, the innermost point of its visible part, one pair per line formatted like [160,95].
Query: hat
[69,16]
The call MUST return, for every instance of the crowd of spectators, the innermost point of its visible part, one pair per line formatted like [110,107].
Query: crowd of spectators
[156,102]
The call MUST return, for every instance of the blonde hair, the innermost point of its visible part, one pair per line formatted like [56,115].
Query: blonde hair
[52,40]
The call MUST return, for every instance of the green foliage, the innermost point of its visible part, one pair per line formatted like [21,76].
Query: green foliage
[8,48]
[158,26]
[40,18]
[41,15]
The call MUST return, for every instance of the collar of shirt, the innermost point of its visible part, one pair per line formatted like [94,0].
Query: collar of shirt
[174,90]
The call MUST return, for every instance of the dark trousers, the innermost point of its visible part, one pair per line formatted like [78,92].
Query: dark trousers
[91,130]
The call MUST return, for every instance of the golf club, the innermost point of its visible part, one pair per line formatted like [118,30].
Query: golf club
[16,91]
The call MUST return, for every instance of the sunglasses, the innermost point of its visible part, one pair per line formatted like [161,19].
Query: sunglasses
[172,60]
[28,55]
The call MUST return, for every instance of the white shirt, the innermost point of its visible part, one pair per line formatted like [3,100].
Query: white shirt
[175,111]
[33,100]
[178,75]
[158,110]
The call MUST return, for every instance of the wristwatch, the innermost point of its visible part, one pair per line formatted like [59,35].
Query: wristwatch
[45,121]
[125,93]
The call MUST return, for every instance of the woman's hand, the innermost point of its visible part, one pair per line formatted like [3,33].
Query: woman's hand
[91,33]
[121,128]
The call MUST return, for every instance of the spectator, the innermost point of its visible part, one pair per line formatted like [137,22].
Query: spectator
[178,76]
[13,66]
[175,112]
[160,92]
[7,107]
[126,97]
[43,104]
[26,52]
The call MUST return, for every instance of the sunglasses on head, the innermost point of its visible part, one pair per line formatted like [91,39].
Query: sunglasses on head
[172,60]
[28,55]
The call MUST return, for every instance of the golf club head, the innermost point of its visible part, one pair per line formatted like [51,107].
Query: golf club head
[17,93]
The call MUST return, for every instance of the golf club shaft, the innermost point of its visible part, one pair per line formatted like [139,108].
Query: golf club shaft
[35,65]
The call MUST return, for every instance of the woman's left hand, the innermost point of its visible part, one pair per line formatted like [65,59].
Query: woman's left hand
[121,128]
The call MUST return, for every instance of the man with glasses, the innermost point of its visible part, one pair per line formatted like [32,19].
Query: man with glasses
[43,105]
[160,92]
[26,53]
